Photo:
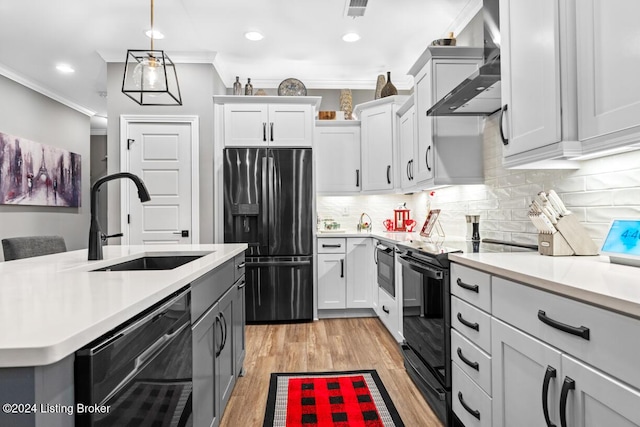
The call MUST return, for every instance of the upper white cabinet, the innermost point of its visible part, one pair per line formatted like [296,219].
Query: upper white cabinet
[408,144]
[608,64]
[448,149]
[337,153]
[538,71]
[251,121]
[379,139]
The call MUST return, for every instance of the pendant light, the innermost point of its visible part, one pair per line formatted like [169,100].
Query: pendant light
[150,76]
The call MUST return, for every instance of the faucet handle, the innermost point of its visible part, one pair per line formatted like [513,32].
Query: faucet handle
[104,237]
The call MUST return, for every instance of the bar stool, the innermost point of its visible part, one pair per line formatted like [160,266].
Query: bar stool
[30,246]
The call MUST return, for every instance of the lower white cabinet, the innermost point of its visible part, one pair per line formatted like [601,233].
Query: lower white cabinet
[470,403]
[332,281]
[389,313]
[360,269]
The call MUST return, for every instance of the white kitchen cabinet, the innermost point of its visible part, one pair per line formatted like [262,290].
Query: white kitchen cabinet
[408,144]
[608,63]
[379,143]
[337,154]
[260,121]
[520,365]
[449,149]
[332,281]
[360,272]
[538,68]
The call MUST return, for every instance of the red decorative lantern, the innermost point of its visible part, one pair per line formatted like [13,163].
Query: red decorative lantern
[400,216]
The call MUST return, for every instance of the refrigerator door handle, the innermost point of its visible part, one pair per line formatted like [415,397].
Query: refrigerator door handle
[264,202]
[271,176]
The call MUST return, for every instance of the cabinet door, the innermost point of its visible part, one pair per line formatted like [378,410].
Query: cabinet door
[519,368]
[407,140]
[377,148]
[331,281]
[290,125]
[337,152]
[608,63]
[206,341]
[423,162]
[225,372]
[239,321]
[530,70]
[360,269]
[597,400]
[246,125]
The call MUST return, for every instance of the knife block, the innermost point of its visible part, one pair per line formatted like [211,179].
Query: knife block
[576,236]
[554,245]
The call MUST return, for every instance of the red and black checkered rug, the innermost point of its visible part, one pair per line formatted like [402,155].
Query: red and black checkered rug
[329,399]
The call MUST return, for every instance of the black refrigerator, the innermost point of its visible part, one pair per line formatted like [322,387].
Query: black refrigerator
[268,200]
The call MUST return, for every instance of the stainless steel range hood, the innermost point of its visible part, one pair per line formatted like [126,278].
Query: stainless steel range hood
[478,94]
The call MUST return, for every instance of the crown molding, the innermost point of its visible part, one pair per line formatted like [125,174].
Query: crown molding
[12,75]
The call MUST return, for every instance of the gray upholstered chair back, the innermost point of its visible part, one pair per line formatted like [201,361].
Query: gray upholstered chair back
[26,247]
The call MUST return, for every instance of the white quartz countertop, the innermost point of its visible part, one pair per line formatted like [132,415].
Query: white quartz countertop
[590,279]
[391,236]
[53,305]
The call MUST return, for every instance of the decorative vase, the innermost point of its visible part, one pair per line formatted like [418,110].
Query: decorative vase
[389,89]
[237,86]
[379,85]
[346,103]
[248,88]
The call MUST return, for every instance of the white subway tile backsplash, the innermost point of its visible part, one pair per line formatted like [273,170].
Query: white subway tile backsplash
[570,184]
[588,199]
[605,181]
[624,197]
[605,215]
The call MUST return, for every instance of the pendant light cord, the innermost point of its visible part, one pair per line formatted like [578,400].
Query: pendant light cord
[152,33]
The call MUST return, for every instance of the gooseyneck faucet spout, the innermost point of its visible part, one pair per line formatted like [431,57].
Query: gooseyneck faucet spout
[96,236]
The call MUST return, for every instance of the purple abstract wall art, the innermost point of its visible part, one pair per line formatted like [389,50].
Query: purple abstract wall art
[37,174]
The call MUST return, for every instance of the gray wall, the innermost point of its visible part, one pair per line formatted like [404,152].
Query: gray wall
[198,84]
[28,114]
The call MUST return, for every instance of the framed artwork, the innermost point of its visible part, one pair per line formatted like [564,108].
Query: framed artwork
[37,174]
[429,223]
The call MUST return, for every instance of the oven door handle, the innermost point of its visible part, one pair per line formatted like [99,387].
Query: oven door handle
[440,392]
[421,268]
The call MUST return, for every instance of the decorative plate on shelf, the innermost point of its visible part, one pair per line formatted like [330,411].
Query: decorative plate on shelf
[292,87]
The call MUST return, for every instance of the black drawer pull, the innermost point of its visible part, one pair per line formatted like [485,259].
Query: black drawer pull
[385,309]
[473,412]
[569,384]
[324,245]
[468,324]
[471,364]
[581,331]
[505,141]
[241,265]
[549,373]
[472,288]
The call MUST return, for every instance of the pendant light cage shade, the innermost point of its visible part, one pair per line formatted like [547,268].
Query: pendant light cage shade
[150,78]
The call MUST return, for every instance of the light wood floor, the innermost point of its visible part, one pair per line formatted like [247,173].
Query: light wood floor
[325,345]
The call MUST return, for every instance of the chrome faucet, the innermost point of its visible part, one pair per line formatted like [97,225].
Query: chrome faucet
[96,236]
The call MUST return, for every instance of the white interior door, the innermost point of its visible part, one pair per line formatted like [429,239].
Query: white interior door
[161,154]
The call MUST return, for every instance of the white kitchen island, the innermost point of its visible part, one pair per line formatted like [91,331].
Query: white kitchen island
[53,305]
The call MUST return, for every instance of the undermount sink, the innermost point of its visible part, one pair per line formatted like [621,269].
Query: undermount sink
[167,262]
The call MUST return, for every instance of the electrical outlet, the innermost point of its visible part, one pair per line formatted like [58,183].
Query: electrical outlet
[345,211]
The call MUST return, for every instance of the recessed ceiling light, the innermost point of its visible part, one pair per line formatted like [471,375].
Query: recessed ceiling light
[155,34]
[254,36]
[351,37]
[65,68]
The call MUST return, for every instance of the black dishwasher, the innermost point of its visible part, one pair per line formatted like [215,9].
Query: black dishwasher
[140,373]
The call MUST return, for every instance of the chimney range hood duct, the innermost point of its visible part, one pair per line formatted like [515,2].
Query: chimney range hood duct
[478,94]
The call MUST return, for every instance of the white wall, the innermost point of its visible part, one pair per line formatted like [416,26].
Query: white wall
[602,189]
[28,114]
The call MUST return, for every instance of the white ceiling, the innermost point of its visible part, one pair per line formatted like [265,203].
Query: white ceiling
[303,39]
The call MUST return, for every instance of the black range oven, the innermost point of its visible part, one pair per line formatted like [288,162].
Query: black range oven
[426,326]
[385,260]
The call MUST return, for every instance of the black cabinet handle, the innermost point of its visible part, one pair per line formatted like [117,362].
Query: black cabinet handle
[385,309]
[357,177]
[472,288]
[264,131]
[215,339]
[224,332]
[407,170]
[271,131]
[388,174]
[426,158]
[241,265]
[325,245]
[569,384]
[581,331]
[242,285]
[549,373]
[411,169]
[505,141]
[468,324]
[474,365]
[342,268]
[473,412]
